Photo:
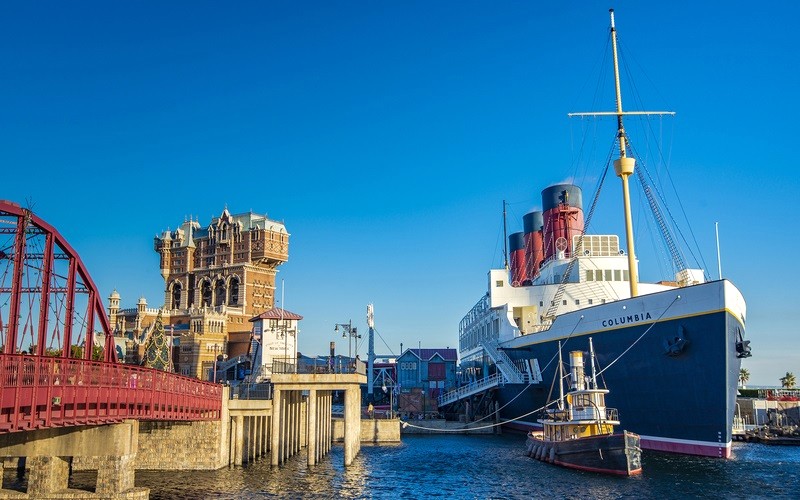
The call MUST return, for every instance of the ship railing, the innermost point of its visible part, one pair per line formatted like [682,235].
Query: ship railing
[504,364]
[471,388]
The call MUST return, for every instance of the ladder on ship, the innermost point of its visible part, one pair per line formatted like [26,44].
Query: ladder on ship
[504,364]
[508,373]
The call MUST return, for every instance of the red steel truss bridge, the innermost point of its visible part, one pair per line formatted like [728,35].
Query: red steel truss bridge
[51,315]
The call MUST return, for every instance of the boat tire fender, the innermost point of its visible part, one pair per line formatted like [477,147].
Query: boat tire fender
[552,455]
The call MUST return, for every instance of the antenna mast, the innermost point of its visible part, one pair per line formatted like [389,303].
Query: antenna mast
[719,258]
[505,238]
[371,350]
[560,379]
[624,165]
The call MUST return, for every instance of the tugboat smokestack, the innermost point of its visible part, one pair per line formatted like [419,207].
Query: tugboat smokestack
[577,382]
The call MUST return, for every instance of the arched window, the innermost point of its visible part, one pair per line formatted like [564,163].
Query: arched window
[205,291]
[176,295]
[219,293]
[233,299]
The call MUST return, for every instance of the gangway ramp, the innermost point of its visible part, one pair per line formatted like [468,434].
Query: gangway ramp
[470,389]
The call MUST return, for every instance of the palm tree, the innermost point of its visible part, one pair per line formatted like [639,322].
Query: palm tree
[744,376]
[788,381]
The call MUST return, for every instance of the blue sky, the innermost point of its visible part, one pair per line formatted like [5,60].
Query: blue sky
[387,134]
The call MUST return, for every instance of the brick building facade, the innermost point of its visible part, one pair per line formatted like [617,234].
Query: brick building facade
[216,278]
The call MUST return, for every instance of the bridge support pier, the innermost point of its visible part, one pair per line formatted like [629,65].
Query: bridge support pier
[115,474]
[352,423]
[47,475]
[110,448]
[302,415]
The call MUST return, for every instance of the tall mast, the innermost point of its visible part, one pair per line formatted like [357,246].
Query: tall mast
[505,237]
[371,351]
[623,167]
[591,358]
[560,380]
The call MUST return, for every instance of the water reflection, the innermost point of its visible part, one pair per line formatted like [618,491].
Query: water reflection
[480,467]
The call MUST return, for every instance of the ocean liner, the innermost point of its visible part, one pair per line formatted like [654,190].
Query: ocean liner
[671,350]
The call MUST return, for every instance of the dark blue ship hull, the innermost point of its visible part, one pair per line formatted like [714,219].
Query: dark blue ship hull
[675,386]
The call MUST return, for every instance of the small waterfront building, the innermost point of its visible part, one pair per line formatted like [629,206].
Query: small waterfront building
[424,374]
[275,335]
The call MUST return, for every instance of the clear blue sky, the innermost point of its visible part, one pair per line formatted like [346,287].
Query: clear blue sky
[386,134]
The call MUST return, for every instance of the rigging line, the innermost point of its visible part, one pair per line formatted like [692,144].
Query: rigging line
[625,55]
[489,426]
[553,358]
[677,297]
[576,165]
[680,204]
[595,98]
[672,218]
[384,342]
[490,414]
[553,383]
[596,70]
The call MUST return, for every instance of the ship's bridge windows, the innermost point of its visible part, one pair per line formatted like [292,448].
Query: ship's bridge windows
[617,275]
[590,301]
[589,275]
[498,283]
[626,275]
[577,302]
[563,302]
[608,274]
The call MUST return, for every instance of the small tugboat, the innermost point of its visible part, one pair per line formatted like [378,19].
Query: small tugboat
[579,432]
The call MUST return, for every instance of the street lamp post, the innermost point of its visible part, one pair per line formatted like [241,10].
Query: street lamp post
[216,348]
[391,398]
[349,331]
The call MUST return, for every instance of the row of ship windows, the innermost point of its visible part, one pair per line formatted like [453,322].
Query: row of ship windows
[577,302]
[607,275]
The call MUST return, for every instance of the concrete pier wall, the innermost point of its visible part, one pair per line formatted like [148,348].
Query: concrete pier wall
[111,448]
[372,431]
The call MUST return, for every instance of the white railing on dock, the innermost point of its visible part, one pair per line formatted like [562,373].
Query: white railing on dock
[470,389]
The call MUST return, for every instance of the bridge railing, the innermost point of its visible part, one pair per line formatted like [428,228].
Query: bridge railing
[39,392]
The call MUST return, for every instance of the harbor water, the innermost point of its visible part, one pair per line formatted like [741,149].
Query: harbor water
[458,466]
